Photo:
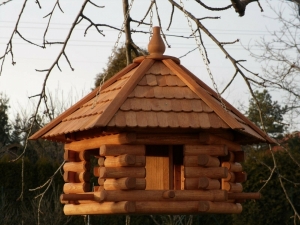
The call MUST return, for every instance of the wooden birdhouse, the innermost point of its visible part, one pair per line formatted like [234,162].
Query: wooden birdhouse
[164,143]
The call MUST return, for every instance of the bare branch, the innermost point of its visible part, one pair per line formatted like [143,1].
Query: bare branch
[212,8]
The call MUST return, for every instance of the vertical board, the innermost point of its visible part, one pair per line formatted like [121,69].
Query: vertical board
[157,167]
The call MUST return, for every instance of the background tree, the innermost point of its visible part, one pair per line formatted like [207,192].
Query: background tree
[4,122]
[267,114]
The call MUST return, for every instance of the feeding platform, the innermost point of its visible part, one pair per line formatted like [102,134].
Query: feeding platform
[164,143]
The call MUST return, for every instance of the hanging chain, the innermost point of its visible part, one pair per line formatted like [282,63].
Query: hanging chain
[112,54]
[201,50]
[151,19]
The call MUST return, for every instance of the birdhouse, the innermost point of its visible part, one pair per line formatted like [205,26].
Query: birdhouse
[164,143]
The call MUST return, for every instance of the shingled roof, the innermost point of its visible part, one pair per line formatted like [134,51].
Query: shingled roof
[153,92]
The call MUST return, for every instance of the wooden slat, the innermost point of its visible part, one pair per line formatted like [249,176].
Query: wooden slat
[229,106]
[124,92]
[76,106]
[202,94]
[94,143]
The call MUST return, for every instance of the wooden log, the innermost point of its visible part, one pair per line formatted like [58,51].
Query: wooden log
[201,160]
[94,143]
[119,172]
[76,166]
[212,139]
[156,207]
[233,167]
[240,177]
[140,184]
[98,189]
[96,171]
[220,207]
[232,187]
[84,155]
[213,150]
[101,161]
[167,139]
[100,208]
[101,181]
[120,184]
[243,195]
[211,172]
[201,183]
[75,177]
[228,158]
[115,150]
[76,197]
[73,188]
[163,195]
[125,160]
[70,156]
[119,161]
[230,177]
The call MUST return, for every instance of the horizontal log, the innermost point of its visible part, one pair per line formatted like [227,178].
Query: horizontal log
[167,139]
[230,177]
[101,181]
[125,160]
[232,187]
[76,166]
[120,184]
[201,160]
[233,167]
[75,177]
[101,161]
[163,195]
[243,195]
[95,143]
[71,156]
[98,188]
[212,139]
[76,197]
[156,207]
[213,150]
[72,188]
[100,208]
[201,183]
[84,155]
[120,172]
[115,150]
[220,207]
[211,172]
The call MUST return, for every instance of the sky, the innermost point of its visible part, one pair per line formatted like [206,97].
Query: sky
[89,54]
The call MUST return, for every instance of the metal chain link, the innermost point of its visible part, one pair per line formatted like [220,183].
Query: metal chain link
[151,20]
[201,50]
[112,54]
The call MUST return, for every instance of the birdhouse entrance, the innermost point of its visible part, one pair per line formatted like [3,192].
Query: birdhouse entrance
[164,166]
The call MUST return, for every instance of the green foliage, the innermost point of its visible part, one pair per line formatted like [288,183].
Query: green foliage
[274,207]
[4,124]
[117,63]
[271,112]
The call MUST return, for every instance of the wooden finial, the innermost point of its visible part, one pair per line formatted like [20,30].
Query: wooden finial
[156,44]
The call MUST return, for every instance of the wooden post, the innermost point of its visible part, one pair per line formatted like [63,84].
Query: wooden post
[76,166]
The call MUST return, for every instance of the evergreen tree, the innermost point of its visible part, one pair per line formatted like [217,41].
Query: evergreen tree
[4,124]
[271,112]
[115,65]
